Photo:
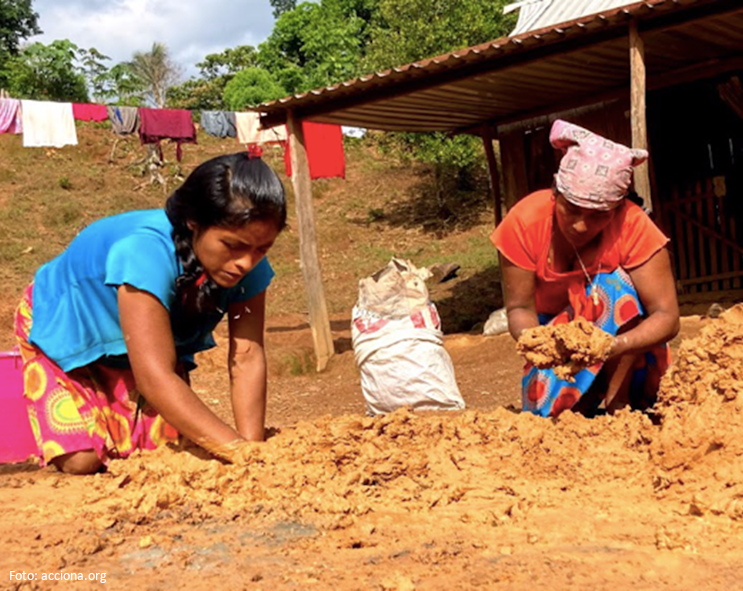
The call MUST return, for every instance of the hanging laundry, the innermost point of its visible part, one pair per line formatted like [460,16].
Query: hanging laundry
[249,130]
[47,124]
[324,145]
[89,112]
[161,124]
[10,116]
[124,120]
[219,123]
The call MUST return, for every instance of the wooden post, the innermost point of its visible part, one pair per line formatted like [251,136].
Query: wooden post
[639,118]
[487,139]
[319,321]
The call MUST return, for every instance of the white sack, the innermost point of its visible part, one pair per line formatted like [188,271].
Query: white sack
[398,343]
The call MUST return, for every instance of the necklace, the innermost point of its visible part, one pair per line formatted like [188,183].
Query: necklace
[594,288]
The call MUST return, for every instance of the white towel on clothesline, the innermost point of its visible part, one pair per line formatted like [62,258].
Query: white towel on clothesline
[249,130]
[48,124]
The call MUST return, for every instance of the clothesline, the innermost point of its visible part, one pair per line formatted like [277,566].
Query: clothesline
[52,124]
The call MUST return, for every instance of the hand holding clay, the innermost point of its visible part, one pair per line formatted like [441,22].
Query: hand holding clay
[565,348]
[237,451]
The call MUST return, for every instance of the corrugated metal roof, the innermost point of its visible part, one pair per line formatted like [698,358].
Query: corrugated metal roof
[538,14]
[516,77]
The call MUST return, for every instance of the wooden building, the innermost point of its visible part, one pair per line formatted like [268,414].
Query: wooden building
[661,74]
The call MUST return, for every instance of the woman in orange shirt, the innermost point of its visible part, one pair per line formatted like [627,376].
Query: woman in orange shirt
[583,249]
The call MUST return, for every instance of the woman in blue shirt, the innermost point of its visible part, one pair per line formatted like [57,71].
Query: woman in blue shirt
[108,329]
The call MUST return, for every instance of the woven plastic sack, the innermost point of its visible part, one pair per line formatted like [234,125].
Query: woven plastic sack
[398,343]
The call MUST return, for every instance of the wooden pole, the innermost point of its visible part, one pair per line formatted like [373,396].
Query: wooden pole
[487,139]
[639,117]
[319,321]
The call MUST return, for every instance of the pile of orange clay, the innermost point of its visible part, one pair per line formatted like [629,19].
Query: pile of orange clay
[566,348]
[332,471]
[480,466]
[699,449]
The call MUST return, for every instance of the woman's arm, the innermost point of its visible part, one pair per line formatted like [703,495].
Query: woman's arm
[247,366]
[520,287]
[656,288]
[149,340]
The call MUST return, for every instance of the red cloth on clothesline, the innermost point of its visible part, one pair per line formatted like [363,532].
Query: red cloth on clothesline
[324,145]
[160,124]
[89,112]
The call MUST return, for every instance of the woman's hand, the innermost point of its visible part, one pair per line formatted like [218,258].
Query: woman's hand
[145,324]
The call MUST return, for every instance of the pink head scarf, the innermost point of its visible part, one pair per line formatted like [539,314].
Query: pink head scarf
[595,173]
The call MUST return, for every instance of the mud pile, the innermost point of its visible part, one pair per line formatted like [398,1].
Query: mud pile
[483,466]
[699,449]
[566,348]
[330,471]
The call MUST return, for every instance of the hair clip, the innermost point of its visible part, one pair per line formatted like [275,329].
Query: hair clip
[254,151]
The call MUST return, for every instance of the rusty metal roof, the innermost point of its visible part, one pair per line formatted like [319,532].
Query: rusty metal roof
[516,77]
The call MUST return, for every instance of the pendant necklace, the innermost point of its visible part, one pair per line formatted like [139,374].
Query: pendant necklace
[592,284]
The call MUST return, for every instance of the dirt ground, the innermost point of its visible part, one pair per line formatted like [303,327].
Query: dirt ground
[486,498]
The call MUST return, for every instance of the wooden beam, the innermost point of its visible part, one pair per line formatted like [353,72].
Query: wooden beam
[487,139]
[319,320]
[639,117]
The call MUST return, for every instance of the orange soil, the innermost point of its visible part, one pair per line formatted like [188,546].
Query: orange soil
[488,499]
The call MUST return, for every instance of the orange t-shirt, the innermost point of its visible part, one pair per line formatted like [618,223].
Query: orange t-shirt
[524,236]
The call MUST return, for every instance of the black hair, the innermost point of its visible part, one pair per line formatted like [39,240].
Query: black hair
[228,191]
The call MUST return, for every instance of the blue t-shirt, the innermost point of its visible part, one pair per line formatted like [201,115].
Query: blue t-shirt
[75,303]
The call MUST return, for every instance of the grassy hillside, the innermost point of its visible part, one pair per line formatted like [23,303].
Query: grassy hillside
[381,209]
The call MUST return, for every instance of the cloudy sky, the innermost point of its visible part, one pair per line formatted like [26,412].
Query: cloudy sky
[118,28]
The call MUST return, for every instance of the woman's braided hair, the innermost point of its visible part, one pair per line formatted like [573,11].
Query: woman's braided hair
[227,191]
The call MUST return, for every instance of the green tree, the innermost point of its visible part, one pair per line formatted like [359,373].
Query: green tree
[408,30]
[314,45]
[48,72]
[216,69]
[405,31]
[94,71]
[157,71]
[121,86]
[251,87]
[229,61]
[17,21]
[282,6]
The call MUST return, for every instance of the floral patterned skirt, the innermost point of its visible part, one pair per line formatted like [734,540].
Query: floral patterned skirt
[544,394]
[93,407]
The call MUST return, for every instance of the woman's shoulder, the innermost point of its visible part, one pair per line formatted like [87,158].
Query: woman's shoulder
[533,209]
[631,215]
[535,205]
[154,219]
[131,225]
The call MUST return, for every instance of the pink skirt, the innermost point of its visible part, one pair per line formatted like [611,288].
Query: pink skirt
[93,407]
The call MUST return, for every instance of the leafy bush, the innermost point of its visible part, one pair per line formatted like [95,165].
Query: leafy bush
[251,87]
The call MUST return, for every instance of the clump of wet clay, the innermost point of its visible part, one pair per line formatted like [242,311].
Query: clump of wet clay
[699,450]
[565,348]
